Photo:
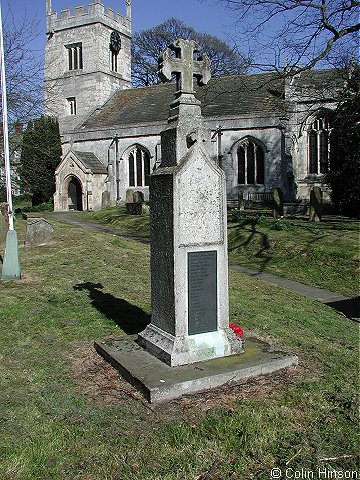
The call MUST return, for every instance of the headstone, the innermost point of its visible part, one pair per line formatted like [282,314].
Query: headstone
[145,209]
[106,199]
[39,232]
[138,197]
[315,210]
[189,265]
[3,223]
[129,196]
[241,203]
[278,202]
[134,201]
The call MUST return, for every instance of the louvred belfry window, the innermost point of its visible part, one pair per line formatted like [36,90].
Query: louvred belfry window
[75,57]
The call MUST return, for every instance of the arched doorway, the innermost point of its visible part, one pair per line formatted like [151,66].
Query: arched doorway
[75,195]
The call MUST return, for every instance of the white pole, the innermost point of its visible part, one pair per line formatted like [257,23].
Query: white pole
[5,132]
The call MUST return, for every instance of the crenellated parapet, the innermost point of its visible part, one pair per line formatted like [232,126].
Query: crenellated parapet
[84,15]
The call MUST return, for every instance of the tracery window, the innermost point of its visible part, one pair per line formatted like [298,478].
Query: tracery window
[319,145]
[251,169]
[139,167]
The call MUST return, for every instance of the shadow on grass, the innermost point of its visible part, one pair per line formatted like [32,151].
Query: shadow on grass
[350,308]
[243,235]
[130,318]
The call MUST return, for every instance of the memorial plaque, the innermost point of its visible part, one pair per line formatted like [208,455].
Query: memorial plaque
[202,292]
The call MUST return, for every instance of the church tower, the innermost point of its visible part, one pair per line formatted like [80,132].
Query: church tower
[87,58]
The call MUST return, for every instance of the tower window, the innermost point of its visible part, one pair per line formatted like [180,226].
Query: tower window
[75,56]
[71,105]
[114,61]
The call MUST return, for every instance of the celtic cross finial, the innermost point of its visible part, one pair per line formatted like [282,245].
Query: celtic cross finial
[186,64]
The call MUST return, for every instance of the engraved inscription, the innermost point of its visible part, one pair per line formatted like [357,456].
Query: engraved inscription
[202,292]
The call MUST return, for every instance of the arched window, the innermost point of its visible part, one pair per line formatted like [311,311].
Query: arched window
[318,145]
[139,167]
[251,168]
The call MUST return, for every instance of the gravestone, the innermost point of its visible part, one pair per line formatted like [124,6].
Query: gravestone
[278,203]
[39,232]
[241,203]
[3,223]
[138,197]
[134,201]
[315,210]
[189,265]
[129,198]
[106,199]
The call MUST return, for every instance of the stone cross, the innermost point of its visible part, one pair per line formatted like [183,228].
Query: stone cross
[184,65]
[189,264]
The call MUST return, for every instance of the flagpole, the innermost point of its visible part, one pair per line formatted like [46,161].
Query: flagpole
[11,267]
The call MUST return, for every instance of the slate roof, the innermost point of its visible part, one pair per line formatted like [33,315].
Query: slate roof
[90,161]
[322,85]
[229,96]
[258,94]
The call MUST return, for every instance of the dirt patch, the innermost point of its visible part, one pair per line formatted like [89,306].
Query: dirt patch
[97,379]
[226,396]
[102,384]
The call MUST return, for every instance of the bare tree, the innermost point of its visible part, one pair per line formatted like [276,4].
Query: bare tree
[296,34]
[24,68]
[148,44]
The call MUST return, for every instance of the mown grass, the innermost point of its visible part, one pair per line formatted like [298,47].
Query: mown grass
[57,425]
[324,254]
[117,218]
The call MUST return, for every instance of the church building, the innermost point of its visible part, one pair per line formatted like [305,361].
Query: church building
[266,131]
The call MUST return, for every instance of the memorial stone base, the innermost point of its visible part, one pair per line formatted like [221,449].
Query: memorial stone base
[159,382]
[175,351]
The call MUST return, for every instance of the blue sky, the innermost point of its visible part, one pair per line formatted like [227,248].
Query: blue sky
[204,16]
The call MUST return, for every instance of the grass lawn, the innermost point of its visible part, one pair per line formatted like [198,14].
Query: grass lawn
[324,254]
[66,415]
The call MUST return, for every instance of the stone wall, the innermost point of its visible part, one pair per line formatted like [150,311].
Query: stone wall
[264,130]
